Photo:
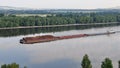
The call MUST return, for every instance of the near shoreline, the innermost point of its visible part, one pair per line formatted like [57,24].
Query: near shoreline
[58,25]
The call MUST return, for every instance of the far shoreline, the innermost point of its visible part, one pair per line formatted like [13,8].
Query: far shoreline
[20,27]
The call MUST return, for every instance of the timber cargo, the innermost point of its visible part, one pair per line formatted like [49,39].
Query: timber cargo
[48,38]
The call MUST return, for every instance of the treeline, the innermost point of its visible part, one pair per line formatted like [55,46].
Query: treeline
[58,19]
[85,63]
[12,65]
[106,63]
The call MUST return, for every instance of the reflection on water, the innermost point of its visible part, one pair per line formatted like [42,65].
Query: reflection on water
[62,53]
[17,32]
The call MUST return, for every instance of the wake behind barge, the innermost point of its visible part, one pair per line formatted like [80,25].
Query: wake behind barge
[48,38]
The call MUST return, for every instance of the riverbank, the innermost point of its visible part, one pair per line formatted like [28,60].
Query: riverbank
[59,25]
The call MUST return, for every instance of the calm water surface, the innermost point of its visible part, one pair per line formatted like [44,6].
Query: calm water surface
[63,53]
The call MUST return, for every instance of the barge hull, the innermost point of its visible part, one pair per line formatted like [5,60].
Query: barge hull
[48,38]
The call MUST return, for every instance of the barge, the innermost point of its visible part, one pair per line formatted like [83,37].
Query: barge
[37,39]
[48,38]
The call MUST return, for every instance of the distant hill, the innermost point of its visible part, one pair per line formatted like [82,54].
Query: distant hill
[117,7]
[22,10]
[13,8]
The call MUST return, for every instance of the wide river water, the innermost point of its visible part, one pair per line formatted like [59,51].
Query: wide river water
[66,53]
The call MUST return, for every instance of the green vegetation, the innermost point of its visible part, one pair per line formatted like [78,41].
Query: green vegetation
[119,63]
[13,65]
[107,63]
[58,19]
[86,63]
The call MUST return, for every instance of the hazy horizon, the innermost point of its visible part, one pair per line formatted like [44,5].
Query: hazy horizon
[61,4]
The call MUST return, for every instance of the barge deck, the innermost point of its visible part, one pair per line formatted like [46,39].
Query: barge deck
[48,38]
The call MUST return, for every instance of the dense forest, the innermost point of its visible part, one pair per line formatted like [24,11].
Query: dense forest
[58,19]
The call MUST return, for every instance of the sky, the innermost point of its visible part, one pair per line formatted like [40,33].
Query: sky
[61,4]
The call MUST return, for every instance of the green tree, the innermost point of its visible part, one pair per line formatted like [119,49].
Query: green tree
[59,19]
[1,15]
[86,63]
[4,66]
[107,63]
[13,65]
[119,64]
[25,66]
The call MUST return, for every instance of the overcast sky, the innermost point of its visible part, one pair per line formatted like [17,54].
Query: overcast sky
[66,4]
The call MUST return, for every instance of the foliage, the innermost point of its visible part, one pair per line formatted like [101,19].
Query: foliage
[1,15]
[119,64]
[58,19]
[13,65]
[25,66]
[107,63]
[86,63]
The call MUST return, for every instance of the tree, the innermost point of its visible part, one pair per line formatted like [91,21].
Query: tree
[86,63]
[13,65]
[59,19]
[25,66]
[4,66]
[119,64]
[107,63]
[1,15]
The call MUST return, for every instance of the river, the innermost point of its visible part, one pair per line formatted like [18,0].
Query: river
[66,53]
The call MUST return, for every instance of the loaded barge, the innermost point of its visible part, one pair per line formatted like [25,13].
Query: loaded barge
[48,38]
